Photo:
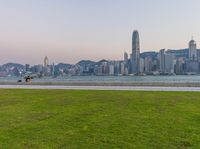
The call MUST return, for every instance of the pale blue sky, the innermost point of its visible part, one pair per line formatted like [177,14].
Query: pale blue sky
[70,30]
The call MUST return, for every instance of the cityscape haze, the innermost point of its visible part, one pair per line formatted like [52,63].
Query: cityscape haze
[165,62]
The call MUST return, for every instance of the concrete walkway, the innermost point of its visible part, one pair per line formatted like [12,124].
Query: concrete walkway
[129,88]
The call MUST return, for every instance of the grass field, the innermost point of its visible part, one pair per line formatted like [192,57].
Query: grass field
[99,119]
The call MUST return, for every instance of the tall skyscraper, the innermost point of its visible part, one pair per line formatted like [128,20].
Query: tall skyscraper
[162,60]
[125,57]
[135,53]
[166,62]
[192,50]
[126,63]
[46,61]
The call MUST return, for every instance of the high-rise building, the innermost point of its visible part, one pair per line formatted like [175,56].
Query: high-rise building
[125,57]
[111,69]
[141,65]
[192,67]
[192,50]
[135,53]
[122,67]
[46,68]
[46,61]
[148,64]
[180,66]
[53,70]
[27,67]
[126,63]
[167,62]
[162,60]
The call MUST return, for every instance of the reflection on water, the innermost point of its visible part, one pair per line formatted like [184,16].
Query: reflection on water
[138,79]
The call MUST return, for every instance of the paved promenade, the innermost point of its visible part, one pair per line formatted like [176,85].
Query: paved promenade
[131,88]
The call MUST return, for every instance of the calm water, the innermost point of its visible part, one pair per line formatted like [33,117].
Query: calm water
[138,79]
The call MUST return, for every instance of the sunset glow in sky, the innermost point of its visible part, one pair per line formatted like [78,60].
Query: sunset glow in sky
[72,30]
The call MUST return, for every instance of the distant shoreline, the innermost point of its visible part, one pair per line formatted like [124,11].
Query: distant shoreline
[81,83]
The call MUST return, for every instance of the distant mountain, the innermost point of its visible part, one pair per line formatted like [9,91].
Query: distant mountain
[13,65]
[101,61]
[63,66]
[84,63]
[149,54]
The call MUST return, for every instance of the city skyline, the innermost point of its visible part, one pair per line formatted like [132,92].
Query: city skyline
[68,31]
[165,62]
[133,55]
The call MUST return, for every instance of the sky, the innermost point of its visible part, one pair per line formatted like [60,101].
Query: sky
[71,30]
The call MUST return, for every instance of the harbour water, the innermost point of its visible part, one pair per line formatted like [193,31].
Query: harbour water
[114,79]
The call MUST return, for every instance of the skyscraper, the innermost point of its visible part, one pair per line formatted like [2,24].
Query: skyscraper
[125,57]
[162,60]
[166,62]
[46,61]
[192,50]
[135,60]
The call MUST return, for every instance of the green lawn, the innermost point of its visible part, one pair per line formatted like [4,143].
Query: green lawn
[99,119]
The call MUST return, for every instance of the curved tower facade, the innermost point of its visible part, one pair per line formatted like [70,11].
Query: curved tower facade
[192,50]
[46,61]
[135,53]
